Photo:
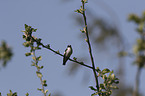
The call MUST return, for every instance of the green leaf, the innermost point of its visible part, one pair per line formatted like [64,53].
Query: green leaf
[84,1]
[113,76]
[102,86]
[104,76]
[86,40]
[82,62]
[34,30]
[116,82]
[37,48]
[92,88]
[44,81]
[78,11]
[23,31]
[33,64]
[140,28]
[95,94]
[26,44]
[26,25]
[39,74]
[84,30]
[114,87]
[97,69]
[57,51]
[27,54]
[34,58]
[48,45]
[49,94]
[39,89]
[122,54]
[41,67]
[135,18]
[24,36]
[14,94]
[27,94]
[46,90]
[75,58]
[45,85]
[39,58]
[104,71]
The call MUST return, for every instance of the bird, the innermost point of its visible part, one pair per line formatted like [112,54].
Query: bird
[67,54]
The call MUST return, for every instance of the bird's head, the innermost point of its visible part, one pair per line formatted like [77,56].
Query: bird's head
[69,46]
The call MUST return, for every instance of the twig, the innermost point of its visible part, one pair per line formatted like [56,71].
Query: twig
[135,93]
[56,52]
[36,61]
[89,45]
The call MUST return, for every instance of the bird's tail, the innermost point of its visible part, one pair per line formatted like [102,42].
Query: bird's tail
[64,62]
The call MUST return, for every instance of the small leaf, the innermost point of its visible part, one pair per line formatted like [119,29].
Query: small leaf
[57,51]
[114,87]
[113,76]
[34,58]
[92,88]
[27,54]
[39,89]
[26,25]
[122,53]
[105,71]
[78,11]
[39,58]
[82,62]
[46,90]
[41,67]
[84,1]
[33,64]
[135,18]
[86,40]
[26,44]
[44,81]
[45,85]
[39,74]
[34,30]
[37,48]
[82,31]
[94,94]
[27,94]
[23,31]
[116,82]
[14,94]
[75,58]
[104,77]
[102,86]
[48,45]
[97,69]
[24,36]
[49,94]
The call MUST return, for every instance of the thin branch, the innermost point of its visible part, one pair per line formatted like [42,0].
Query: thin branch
[56,52]
[135,93]
[89,45]
[36,61]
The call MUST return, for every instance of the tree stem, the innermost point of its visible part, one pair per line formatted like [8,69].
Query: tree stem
[39,71]
[89,45]
[135,93]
